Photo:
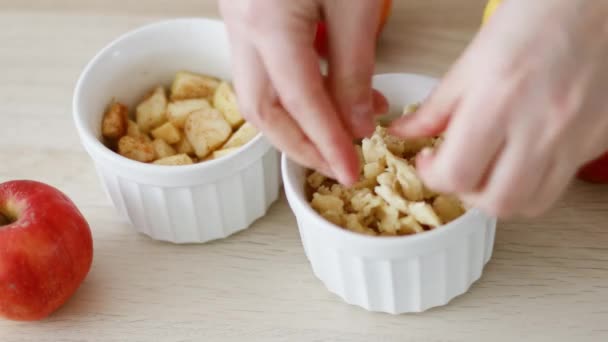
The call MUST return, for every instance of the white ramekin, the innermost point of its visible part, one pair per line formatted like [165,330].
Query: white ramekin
[184,204]
[392,274]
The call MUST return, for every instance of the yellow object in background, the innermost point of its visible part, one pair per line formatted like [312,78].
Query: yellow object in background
[490,9]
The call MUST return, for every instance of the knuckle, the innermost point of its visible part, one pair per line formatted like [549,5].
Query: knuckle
[460,179]
[252,112]
[311,99]
[565,102]
[293,103]
[502,206]
[260,110]
[563,111]
[245,15]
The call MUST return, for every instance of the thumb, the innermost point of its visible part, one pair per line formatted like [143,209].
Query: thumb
[434,114]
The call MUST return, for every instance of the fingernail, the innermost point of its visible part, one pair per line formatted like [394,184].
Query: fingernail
[424,164]
[426,152]
[397,127]
[424,157]
[347,179]
[326,171]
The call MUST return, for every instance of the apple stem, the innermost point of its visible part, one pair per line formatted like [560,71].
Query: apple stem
[5,219]
[9,212]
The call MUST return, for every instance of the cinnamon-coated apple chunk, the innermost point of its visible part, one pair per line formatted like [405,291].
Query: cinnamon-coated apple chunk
[183,146]
[223,152]
[224,100]
[206,130]
[151,113]
[137,149]
[242,136]
[114,124]
[163,149]
[201,120]
[134,131]
[167,132]
[188,85]
[178,159]
[178,111]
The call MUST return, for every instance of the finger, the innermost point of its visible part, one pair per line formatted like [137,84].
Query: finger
[301,91]
[352,42]
[380,103]
[434,113]
[260,105]
[425,122]
[514,183]
[556,180]
[471,145]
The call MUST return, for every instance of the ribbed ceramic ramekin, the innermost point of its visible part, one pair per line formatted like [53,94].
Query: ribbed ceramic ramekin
[392,274]
[181,204]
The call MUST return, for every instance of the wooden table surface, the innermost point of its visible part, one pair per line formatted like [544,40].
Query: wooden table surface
[548,279]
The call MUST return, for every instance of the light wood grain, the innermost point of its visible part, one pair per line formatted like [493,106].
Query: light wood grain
[547,281]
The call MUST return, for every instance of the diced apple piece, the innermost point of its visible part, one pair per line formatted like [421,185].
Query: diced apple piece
[167,132]
[151,113]
[188,85]
[163,149]
[134,131]
[178,111]
[183,146]
[242,136]
[224,100]
[223,152]
[136,148]
[424,213]
[206,130]
[410,225]
[448,208]
[178,159]
[114,123]
[373,170]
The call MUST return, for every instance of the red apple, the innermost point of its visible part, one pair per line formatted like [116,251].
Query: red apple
[321,39]
[46,249]
[595,171]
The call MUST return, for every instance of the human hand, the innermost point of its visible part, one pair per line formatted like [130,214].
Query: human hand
[522,108]
[281,89]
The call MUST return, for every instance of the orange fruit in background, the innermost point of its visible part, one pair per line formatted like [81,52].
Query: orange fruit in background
[321,39]
[491,7]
